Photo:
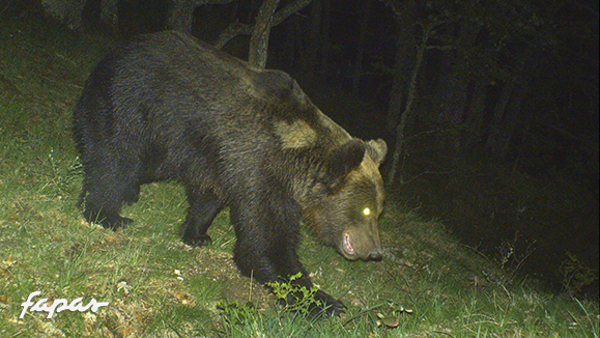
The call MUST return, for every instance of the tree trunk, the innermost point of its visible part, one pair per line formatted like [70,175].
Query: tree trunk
[507,110]
[454,90]
[505,121]
[399,84]
[474,117]
[404,60]
[259,42]
[410,99]
[494,141]
[360,49]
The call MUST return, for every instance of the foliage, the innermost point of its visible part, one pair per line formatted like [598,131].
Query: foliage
[297,298]
[576,275]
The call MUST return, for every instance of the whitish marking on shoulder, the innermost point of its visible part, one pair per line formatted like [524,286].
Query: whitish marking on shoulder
[298,134]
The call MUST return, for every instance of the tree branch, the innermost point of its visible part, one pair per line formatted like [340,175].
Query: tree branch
[237,28]
[259,42]
[232,31]
[182,12]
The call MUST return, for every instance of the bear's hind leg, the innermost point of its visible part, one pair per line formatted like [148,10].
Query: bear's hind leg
[105,188]
[99,209]
[204,207]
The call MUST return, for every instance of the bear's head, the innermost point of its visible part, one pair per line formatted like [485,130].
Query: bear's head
[347,199]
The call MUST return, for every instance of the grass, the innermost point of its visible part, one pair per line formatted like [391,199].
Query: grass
[158,287]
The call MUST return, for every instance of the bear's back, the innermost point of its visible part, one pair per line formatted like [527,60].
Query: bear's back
[166,67]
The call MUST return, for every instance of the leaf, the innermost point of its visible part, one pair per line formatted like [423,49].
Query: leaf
[391,321]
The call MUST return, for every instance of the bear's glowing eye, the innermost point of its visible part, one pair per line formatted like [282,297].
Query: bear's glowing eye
[366,211]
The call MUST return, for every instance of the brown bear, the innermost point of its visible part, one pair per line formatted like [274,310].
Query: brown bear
[166,106]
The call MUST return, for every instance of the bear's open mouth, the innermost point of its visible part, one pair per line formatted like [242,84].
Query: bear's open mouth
[348,247]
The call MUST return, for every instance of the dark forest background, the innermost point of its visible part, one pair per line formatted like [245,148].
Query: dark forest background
[490,108]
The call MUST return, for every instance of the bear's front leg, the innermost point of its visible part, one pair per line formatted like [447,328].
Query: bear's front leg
[267,237]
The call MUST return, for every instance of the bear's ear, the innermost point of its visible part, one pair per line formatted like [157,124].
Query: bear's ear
[377,149]
[343,160]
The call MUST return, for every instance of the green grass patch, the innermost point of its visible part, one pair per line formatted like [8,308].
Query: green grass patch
[427,285]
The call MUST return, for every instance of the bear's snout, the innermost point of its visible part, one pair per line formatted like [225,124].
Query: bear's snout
[360,245]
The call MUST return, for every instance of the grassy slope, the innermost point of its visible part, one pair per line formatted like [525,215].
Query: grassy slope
[158,287]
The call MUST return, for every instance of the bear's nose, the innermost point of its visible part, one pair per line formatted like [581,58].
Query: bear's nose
[375,256]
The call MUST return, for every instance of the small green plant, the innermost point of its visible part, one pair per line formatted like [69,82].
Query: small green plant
[297,298]
[60,177]
[576,275]
[512,255]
